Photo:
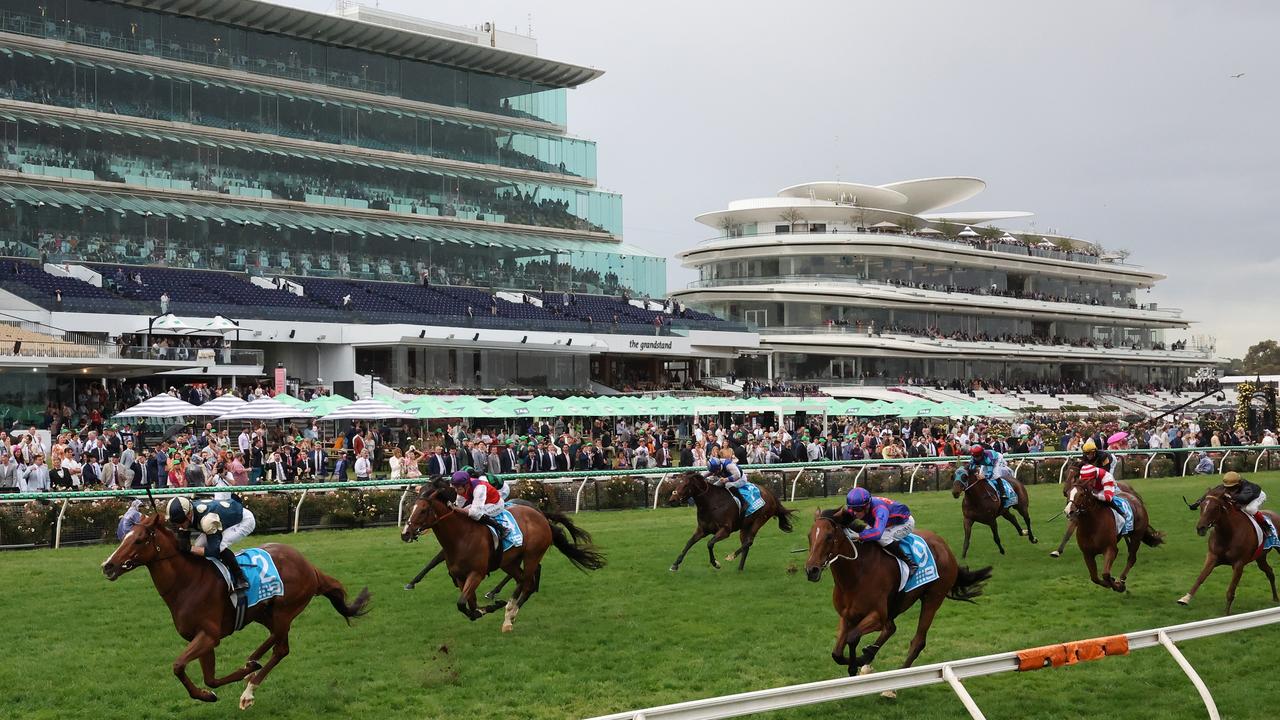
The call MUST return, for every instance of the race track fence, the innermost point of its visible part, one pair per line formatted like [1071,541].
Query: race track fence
[954,672]
[655,478]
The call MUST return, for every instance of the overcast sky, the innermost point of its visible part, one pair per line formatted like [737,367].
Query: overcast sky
[1117,122]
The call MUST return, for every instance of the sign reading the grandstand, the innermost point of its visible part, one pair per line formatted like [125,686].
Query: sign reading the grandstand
[643,345]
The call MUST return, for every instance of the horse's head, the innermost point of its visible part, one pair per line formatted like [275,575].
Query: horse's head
[146,542]
[825,538]
[1080,498]
[687,486]
[1212,507]
[963,480]
[434,503]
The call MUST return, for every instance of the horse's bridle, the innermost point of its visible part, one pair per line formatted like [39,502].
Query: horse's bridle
[837,556]
[151,536]
[416,531]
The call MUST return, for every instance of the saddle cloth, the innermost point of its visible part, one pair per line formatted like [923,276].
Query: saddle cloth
[1124,523]
[917,548]
[1265,541]
[259,569]
[514,536]
[1010,496]
[755,499]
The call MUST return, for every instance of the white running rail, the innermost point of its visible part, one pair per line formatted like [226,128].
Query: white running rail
[952,673]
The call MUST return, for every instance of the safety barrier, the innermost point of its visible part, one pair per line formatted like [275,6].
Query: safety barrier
[954,672]
[594,477]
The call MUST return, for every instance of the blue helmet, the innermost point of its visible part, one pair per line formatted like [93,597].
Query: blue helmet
[858,498]
[714,465]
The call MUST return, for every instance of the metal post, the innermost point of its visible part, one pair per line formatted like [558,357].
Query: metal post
[1184,464]
[57,529]
[914,469]
[794,483]
[1018,467]
[577,501]
[297,510]
[1222,464]
[400,506]
[1146,469]
[965,698]
[1062,470]
[1259,460]
[1201,688]
[657,489]
[858,477]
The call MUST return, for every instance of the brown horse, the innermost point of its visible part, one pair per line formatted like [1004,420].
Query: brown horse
[718,515]
[199,601]
[470,554]
[866,594]
[1121,486]
[1233,542]
[982,504]
[1096,533]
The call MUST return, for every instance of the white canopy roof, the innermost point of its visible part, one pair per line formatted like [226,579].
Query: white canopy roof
[166,406]
[266,408]
[368,409]
[219,406]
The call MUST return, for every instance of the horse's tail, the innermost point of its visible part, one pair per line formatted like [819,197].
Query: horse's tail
[969,583]
[1153,537]
[337,594]
[576,545]
[784,515]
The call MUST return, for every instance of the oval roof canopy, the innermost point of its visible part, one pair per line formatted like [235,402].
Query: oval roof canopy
[870,196]
[931,193]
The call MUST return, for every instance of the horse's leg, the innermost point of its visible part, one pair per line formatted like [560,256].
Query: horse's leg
[1026,516]
[1132,543]
[200,645]
[279,651]
[842,632]
[869,652]
[439,558]
[1007,514]
[995,534]
[747,536]
[870,621]
[493,594]
[1210,562]
[928,608]
[1066,538]
[467,595]
[1091,562]
[721,534]
[1109,559]
[209,666]
[1237,569]
[525,587]
[968,529]
[698,534]
[1271,576]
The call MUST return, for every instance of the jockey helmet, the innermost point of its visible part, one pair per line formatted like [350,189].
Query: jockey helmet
[1088,472]
[462,477]
[714,465]
[1089,446]
[179,509]
[1231,479]
[858,498]
[977,450]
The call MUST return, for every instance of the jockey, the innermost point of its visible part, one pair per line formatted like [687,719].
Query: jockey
[221,522]
[481,500]
[888,522]
[727,473]
[1102,485]
[1247,496]
[993,466]
[504,488]
[1100,459]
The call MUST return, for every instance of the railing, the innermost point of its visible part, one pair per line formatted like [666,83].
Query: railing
[989,246]
[1188,353]
[646,491]
[955,671]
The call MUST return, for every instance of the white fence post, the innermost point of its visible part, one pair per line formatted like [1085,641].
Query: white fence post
[1201,688]
[915,469]
[1062,470]
[297,510]
[1223,462]
[950,676]
[1185,462]
[1146,469]
[1259,460]
[577,500]
[657,490]
[400,507]
[795,482]
[57,530]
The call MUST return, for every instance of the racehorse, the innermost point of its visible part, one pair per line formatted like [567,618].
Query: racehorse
[718,515]
[470,555]
[982,504]
[866,594]
[200,603]
[1233,542]
[1121,486]
[1096,533]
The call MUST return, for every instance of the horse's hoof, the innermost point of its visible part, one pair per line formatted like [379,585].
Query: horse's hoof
[246,701]
[253,666]
[506,627]
[208,696]
[1055,554]
[864,670]
[1001,551]
[1185,600]
[715,565]
[491,595]
[675,568]
[409,586]
[889,695]
[1033,539]
[1022,533]
[1118,587]
[730,557]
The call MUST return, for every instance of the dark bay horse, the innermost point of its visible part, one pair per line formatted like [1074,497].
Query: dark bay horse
[469,554]
[866,594]
[201,607]
[1121,486]
[1096,533]
[718,515]
[982,504]
[1233,542]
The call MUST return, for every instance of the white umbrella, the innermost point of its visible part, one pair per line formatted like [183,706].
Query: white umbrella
[886,224]
[219,406]
[368,409]
[1008,238]
[266,408]
[170,323]
[165,405]
[929,231]
[967,232]
[220,324]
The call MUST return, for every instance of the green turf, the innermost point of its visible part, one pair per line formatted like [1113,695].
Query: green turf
[635,634]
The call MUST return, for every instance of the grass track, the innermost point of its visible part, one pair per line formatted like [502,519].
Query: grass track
[634,634]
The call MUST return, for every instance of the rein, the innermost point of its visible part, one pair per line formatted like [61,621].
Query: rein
[838,556]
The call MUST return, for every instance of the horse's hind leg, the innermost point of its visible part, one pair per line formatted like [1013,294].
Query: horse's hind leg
[1007,514]
[209,666]
[525,588]
[439,558]
[721,534]
[1271,576]
[279,651]
[1026,516]
[995,534]
[1236,570]
[928,608]
[747,536]
[1132,544]
[968,530]
[493,594]
[202,644]
[1066,538]
[698,534]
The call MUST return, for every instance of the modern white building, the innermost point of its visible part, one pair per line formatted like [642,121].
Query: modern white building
[850,283]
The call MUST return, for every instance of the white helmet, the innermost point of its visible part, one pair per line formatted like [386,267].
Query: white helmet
[179,509]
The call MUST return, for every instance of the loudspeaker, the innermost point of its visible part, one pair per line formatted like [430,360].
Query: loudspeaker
[345,388]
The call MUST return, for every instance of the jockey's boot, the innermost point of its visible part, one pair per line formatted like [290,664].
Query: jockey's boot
[239,583]
[497,526]
[1262,523]
[895,549]
[1000,492]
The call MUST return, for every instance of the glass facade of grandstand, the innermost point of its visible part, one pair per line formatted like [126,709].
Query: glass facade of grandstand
[460,176]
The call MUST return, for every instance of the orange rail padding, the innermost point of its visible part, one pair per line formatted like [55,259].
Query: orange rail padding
[1072,652]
